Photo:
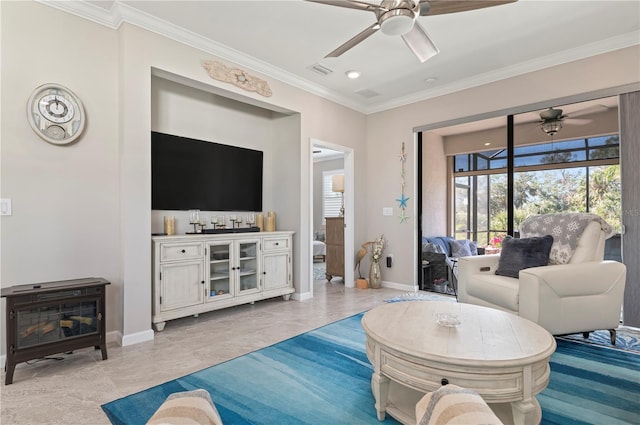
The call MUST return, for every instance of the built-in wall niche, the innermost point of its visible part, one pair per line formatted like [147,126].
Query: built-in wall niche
[193,110]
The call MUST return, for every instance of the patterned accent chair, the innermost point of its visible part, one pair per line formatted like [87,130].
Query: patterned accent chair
[581,296]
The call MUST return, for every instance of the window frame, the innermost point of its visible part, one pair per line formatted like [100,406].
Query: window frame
[331,201]
[472,174]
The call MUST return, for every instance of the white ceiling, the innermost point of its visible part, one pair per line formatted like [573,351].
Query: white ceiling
[282,39]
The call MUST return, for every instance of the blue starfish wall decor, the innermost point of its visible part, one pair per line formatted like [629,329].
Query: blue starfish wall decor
[402,199]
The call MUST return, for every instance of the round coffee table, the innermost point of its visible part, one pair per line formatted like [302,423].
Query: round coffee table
[503,357]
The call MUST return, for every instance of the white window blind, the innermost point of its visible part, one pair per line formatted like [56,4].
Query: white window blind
[331,201]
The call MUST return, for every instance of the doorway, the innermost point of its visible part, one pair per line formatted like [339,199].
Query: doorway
[329,160]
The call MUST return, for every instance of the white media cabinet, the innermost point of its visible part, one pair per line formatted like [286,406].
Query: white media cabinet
[193,274]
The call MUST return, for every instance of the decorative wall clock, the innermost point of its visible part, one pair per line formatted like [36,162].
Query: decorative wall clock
[55,114]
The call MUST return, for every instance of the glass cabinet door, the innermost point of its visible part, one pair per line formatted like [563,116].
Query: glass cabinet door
[247,266]
[220,270]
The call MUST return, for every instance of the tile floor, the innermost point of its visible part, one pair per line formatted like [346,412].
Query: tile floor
[70,391]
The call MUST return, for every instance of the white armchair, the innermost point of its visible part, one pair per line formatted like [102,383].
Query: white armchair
[583,295]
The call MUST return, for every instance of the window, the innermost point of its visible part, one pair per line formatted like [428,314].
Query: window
[331,201]
[581,175]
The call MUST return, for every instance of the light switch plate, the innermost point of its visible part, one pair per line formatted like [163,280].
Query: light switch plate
[5,206]
[387,211]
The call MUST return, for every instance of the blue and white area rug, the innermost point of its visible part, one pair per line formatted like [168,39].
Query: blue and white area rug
[420,296]
[323,377]
[624,340]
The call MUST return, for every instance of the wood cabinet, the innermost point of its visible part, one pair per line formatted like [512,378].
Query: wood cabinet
[335,247]
[276,263]
[194,274]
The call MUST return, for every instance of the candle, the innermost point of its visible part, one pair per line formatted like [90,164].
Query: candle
[170,225]
[271,221]
[260,221]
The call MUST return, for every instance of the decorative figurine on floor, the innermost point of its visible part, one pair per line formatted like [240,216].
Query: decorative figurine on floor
[361,282]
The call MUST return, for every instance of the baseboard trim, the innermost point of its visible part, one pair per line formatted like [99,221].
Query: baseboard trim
[301,296]
[137,337]
[114,336]
[400,286]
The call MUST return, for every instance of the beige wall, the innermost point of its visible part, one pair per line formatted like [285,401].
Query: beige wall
[65,221]
[434,195]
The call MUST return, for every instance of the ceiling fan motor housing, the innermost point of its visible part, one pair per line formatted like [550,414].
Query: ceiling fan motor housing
[399,17]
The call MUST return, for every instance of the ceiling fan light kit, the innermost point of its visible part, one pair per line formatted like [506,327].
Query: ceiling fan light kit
[397,22]
[551,127]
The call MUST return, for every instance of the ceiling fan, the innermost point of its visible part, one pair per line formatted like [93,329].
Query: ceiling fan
[398,17]
[551,119]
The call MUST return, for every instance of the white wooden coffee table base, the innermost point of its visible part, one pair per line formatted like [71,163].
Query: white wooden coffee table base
[501,356]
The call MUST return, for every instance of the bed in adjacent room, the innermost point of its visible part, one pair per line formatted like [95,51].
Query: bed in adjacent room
[319,250]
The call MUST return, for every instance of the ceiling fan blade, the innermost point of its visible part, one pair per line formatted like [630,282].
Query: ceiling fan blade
[350,4]
[420,44]
[589,110]
[441,7]
[577,121]
[354,41]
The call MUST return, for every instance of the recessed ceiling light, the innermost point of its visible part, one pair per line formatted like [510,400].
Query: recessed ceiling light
[487,144]
[430,80]
[352,74]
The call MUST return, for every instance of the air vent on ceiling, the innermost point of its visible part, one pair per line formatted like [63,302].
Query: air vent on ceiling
[321,69]
[368,93]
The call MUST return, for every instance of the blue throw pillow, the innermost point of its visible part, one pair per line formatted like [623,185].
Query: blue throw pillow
[460,248]
[519,254]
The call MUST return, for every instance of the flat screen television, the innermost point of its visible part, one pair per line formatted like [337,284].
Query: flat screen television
[195,174]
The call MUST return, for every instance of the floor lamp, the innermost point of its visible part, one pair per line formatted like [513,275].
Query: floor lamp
[337,185]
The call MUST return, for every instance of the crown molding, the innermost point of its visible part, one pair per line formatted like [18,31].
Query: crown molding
[86,10]
[120,12]
[559,58]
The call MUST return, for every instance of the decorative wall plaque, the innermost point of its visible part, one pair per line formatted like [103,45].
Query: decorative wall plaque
[237,77]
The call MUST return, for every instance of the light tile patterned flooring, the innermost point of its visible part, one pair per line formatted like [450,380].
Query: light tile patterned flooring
[70,391]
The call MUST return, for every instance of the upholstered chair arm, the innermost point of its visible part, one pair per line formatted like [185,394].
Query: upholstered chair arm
[573,298]
[472,265]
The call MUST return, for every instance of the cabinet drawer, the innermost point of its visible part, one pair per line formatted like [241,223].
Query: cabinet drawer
[273,244]
[180,251]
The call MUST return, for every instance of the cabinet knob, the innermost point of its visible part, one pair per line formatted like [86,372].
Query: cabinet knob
[183,251]
[277,243]
[444,381]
